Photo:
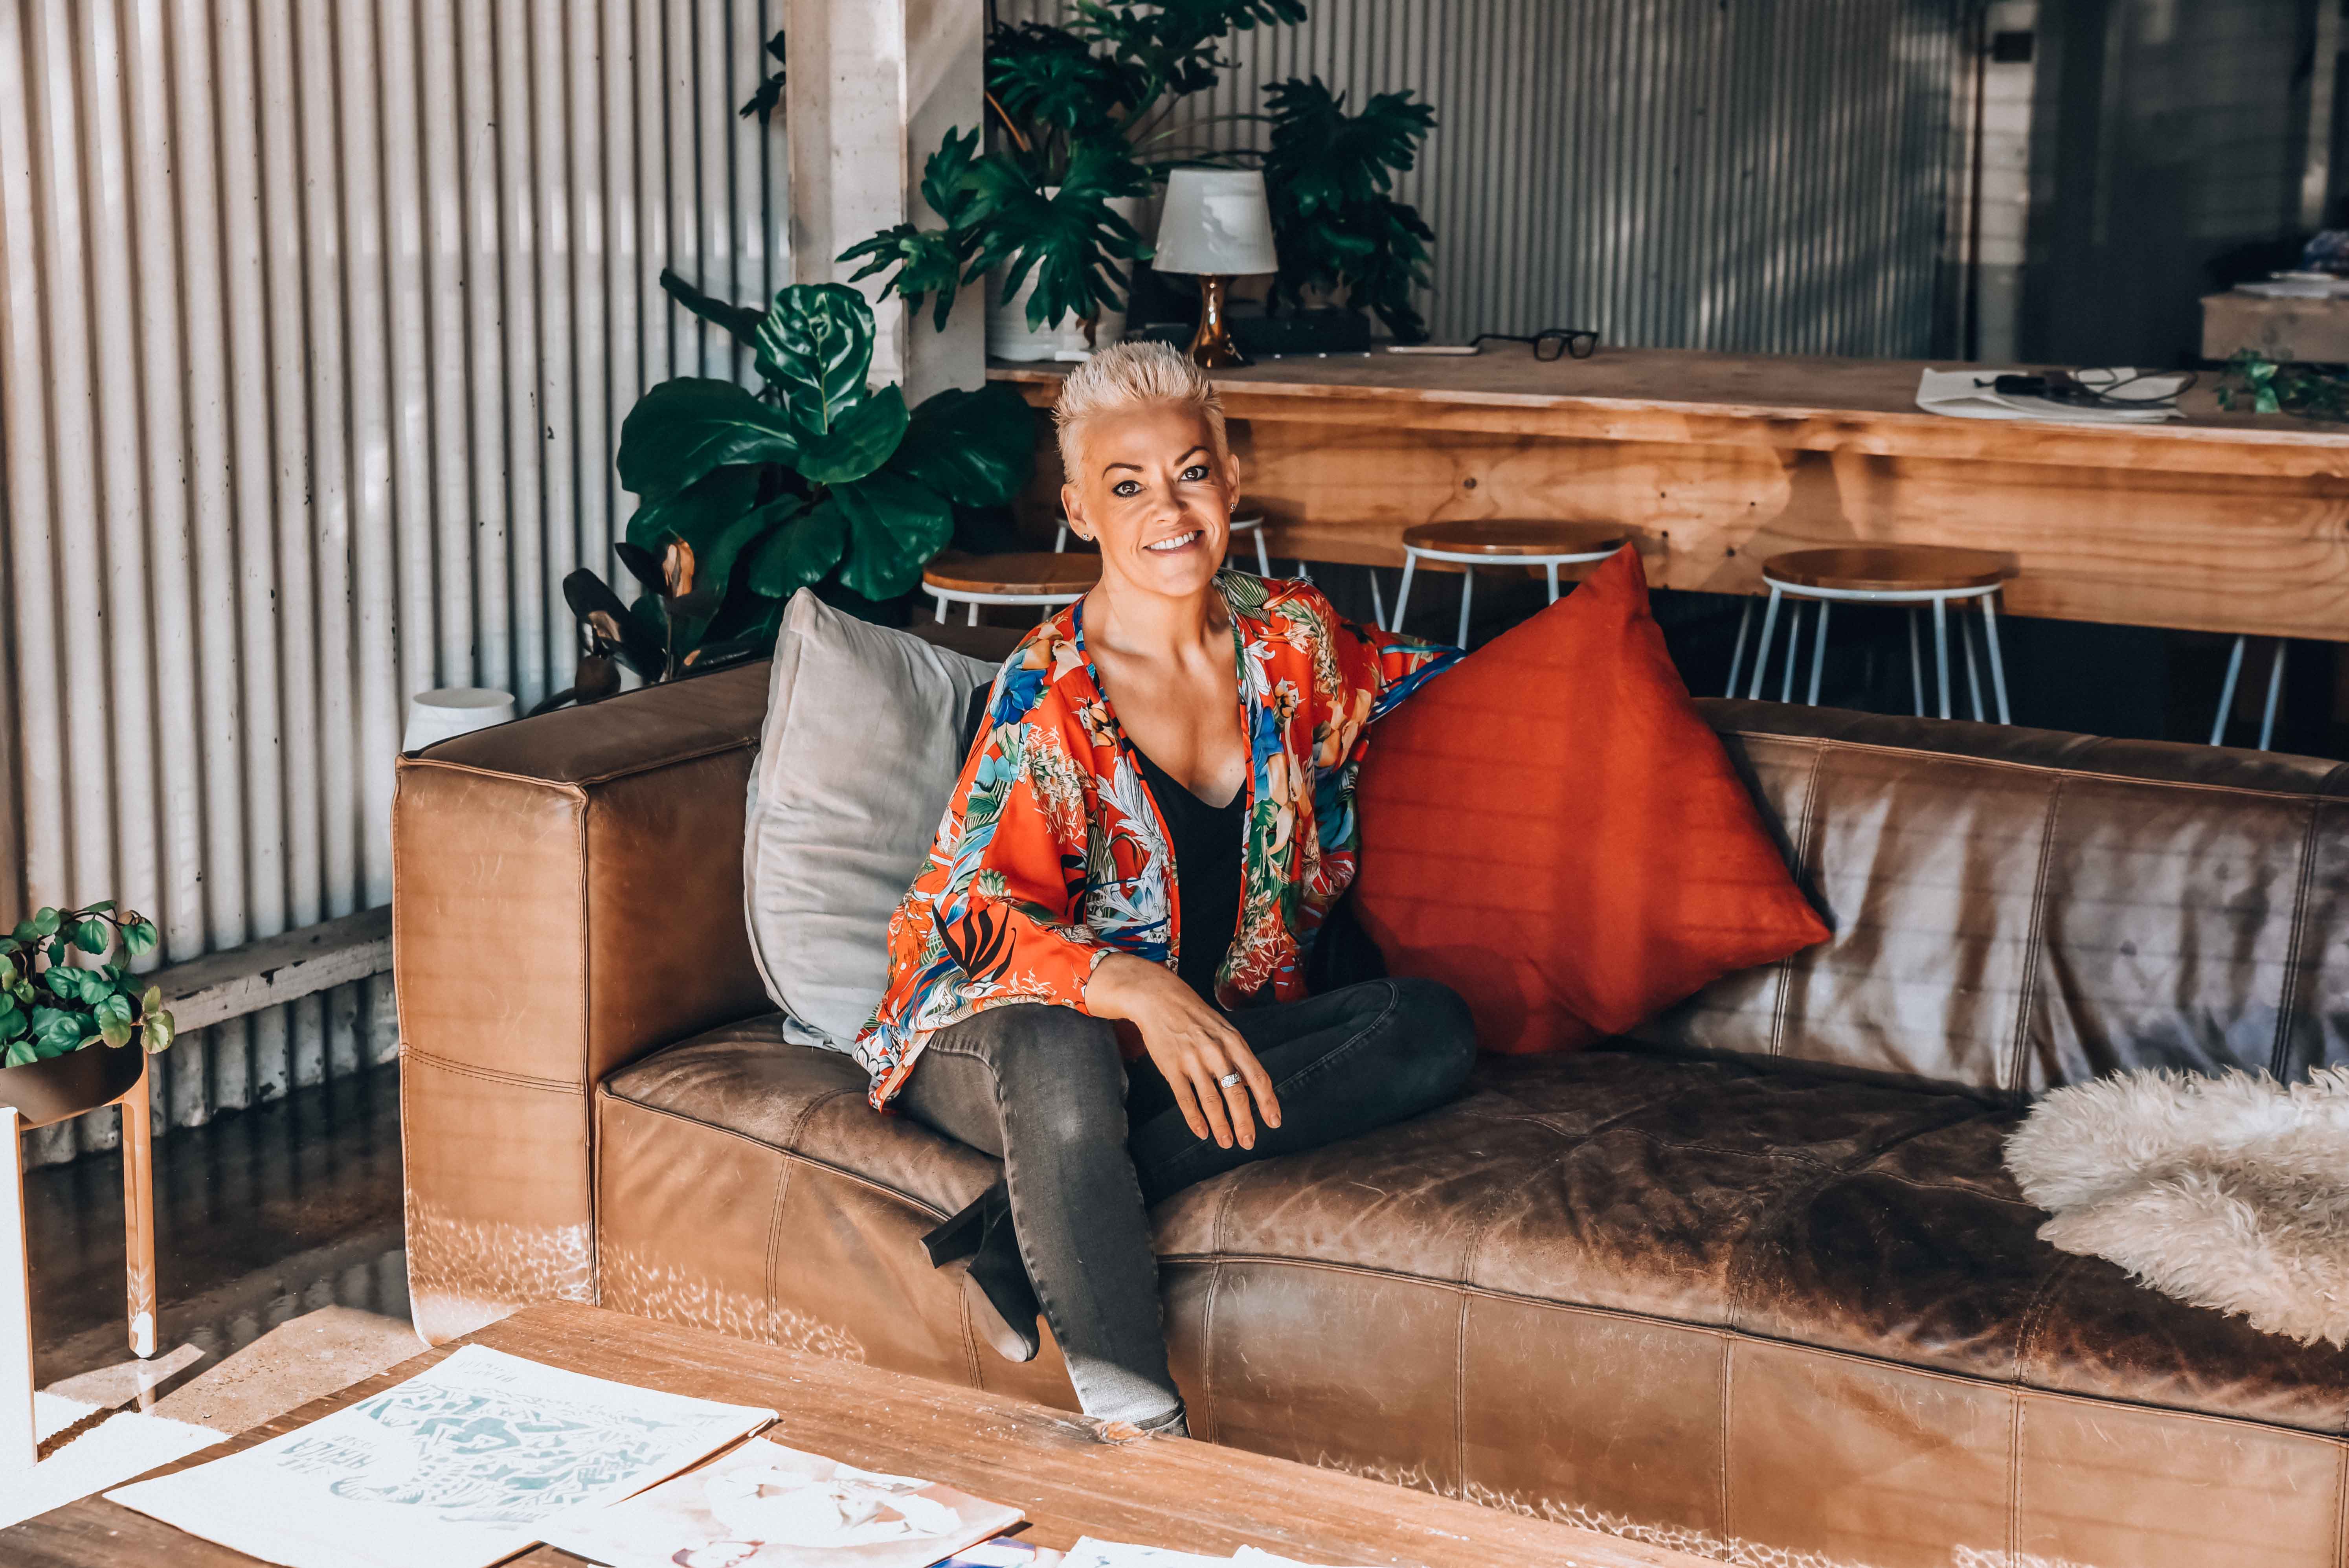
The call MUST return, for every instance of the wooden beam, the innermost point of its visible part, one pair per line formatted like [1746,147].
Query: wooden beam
[230,984]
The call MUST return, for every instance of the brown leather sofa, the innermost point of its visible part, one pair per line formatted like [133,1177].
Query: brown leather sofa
[1755,1283]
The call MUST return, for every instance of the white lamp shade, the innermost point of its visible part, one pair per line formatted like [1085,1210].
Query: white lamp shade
[1216,220]
[437,715]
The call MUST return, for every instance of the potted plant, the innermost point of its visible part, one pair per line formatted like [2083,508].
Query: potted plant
[69,1017]
[1081,117]
[817,479]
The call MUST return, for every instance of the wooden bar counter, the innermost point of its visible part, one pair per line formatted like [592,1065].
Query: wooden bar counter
[2216,522]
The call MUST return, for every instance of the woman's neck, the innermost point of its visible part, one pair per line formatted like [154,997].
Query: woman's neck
[1142,624]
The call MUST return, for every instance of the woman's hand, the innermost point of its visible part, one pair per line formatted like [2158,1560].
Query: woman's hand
[1192,1045]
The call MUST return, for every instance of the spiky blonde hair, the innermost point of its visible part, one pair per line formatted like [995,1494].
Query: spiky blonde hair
[1133,375]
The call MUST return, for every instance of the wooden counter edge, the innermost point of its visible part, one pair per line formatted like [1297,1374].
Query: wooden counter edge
[2171,448]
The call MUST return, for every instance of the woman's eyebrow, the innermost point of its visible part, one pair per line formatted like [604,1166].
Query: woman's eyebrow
[1107,468]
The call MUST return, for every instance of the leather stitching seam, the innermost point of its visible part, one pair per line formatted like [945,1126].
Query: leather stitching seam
[580,786]
[2340,1512]
[2028,992]
[2055,769]
[491,1075]
[2291,985]
[1785,988]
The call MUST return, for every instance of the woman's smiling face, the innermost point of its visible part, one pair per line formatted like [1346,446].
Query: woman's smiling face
[1156,494]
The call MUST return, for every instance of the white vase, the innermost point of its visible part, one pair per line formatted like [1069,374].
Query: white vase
[1009,336]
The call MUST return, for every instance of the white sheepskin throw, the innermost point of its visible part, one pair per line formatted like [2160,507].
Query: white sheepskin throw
[2230,1193]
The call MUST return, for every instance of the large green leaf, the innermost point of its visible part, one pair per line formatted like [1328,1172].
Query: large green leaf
[859,441]
[975,448]
[1070,240]
[714,565]
[800,552]
[894,525]
[698,513]
[681,429]
[815,347]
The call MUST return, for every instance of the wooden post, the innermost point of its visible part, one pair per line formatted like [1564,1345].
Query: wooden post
[18,1445]
[139,1215]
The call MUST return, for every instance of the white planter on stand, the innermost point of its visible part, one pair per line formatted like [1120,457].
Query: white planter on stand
[1009,336]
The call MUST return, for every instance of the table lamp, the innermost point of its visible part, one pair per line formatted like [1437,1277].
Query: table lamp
[1217,225]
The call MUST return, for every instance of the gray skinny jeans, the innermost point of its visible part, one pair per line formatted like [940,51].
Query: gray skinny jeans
[1042,1090]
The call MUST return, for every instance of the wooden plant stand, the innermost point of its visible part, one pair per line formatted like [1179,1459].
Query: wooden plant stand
[40,1095]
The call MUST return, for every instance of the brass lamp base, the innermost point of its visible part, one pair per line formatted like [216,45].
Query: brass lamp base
[1211,345]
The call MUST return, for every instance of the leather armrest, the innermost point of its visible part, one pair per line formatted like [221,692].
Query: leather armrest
[567,895]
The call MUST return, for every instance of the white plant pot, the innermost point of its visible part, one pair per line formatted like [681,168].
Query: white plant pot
[1009,336]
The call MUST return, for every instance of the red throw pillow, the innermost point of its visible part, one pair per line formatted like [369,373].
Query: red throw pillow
[1550,828]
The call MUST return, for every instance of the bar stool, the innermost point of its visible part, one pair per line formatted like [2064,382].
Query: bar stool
[1502,542]
[1916,575]
[1034,577]
[1249,522]
[2227,694]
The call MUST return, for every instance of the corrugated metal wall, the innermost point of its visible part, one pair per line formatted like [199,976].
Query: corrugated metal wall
[319,324]
[1757,175]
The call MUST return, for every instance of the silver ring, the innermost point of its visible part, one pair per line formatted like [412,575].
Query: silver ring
[1230,1080]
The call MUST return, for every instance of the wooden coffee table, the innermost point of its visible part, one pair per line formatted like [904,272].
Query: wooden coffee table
[1191,1496]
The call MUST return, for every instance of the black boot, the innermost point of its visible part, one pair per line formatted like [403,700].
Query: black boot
[995,1281]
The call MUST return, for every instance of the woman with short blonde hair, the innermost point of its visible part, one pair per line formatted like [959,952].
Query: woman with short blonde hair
[1099,976]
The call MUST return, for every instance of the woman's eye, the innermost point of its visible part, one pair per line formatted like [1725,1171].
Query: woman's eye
[1126,488]
[1195,473]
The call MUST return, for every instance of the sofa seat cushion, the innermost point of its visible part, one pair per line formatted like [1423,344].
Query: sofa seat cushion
[808,1102]
[1836,1213]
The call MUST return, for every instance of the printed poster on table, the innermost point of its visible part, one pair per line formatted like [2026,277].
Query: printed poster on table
[767,1506]
[458,1467]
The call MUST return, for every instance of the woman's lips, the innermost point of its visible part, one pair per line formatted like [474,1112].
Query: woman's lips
[1181,542]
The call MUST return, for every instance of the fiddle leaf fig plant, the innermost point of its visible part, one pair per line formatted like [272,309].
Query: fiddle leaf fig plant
[744,497]
[51,1005]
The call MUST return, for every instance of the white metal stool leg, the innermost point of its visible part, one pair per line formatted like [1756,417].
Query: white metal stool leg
[1762,649]
[973,618]
[2227,691]
[942,607]
[1263,556]
[2275,690]
[1378,599]
[1737,651]
[1818,654]
[1916,661]
[1997,658]
[1973,675]
[1403,594]
[1060,539]
[1552,567]
[1467,587]
[1941,650]
[1794,650]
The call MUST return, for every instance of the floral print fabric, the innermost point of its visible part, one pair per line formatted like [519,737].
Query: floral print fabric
[1053,853]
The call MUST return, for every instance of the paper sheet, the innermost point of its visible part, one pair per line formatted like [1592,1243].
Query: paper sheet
[457,1467]
[1966,395]
[123,1445]
[767,1506]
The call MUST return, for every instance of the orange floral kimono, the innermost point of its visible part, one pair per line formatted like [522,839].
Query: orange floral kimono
[1053,854]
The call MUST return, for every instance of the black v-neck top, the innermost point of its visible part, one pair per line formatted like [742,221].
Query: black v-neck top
[1205,844]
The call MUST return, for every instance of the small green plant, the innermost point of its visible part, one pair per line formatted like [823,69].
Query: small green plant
[51,1005]
[2274,388]
[745,498]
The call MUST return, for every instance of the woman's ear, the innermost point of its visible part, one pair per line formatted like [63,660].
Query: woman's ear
[1231,483]
[1073,510]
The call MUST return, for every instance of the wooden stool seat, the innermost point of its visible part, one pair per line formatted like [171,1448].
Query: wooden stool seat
[1036,577]
[1470,542]
[1503,537]
[1918,576]
[1890,569]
